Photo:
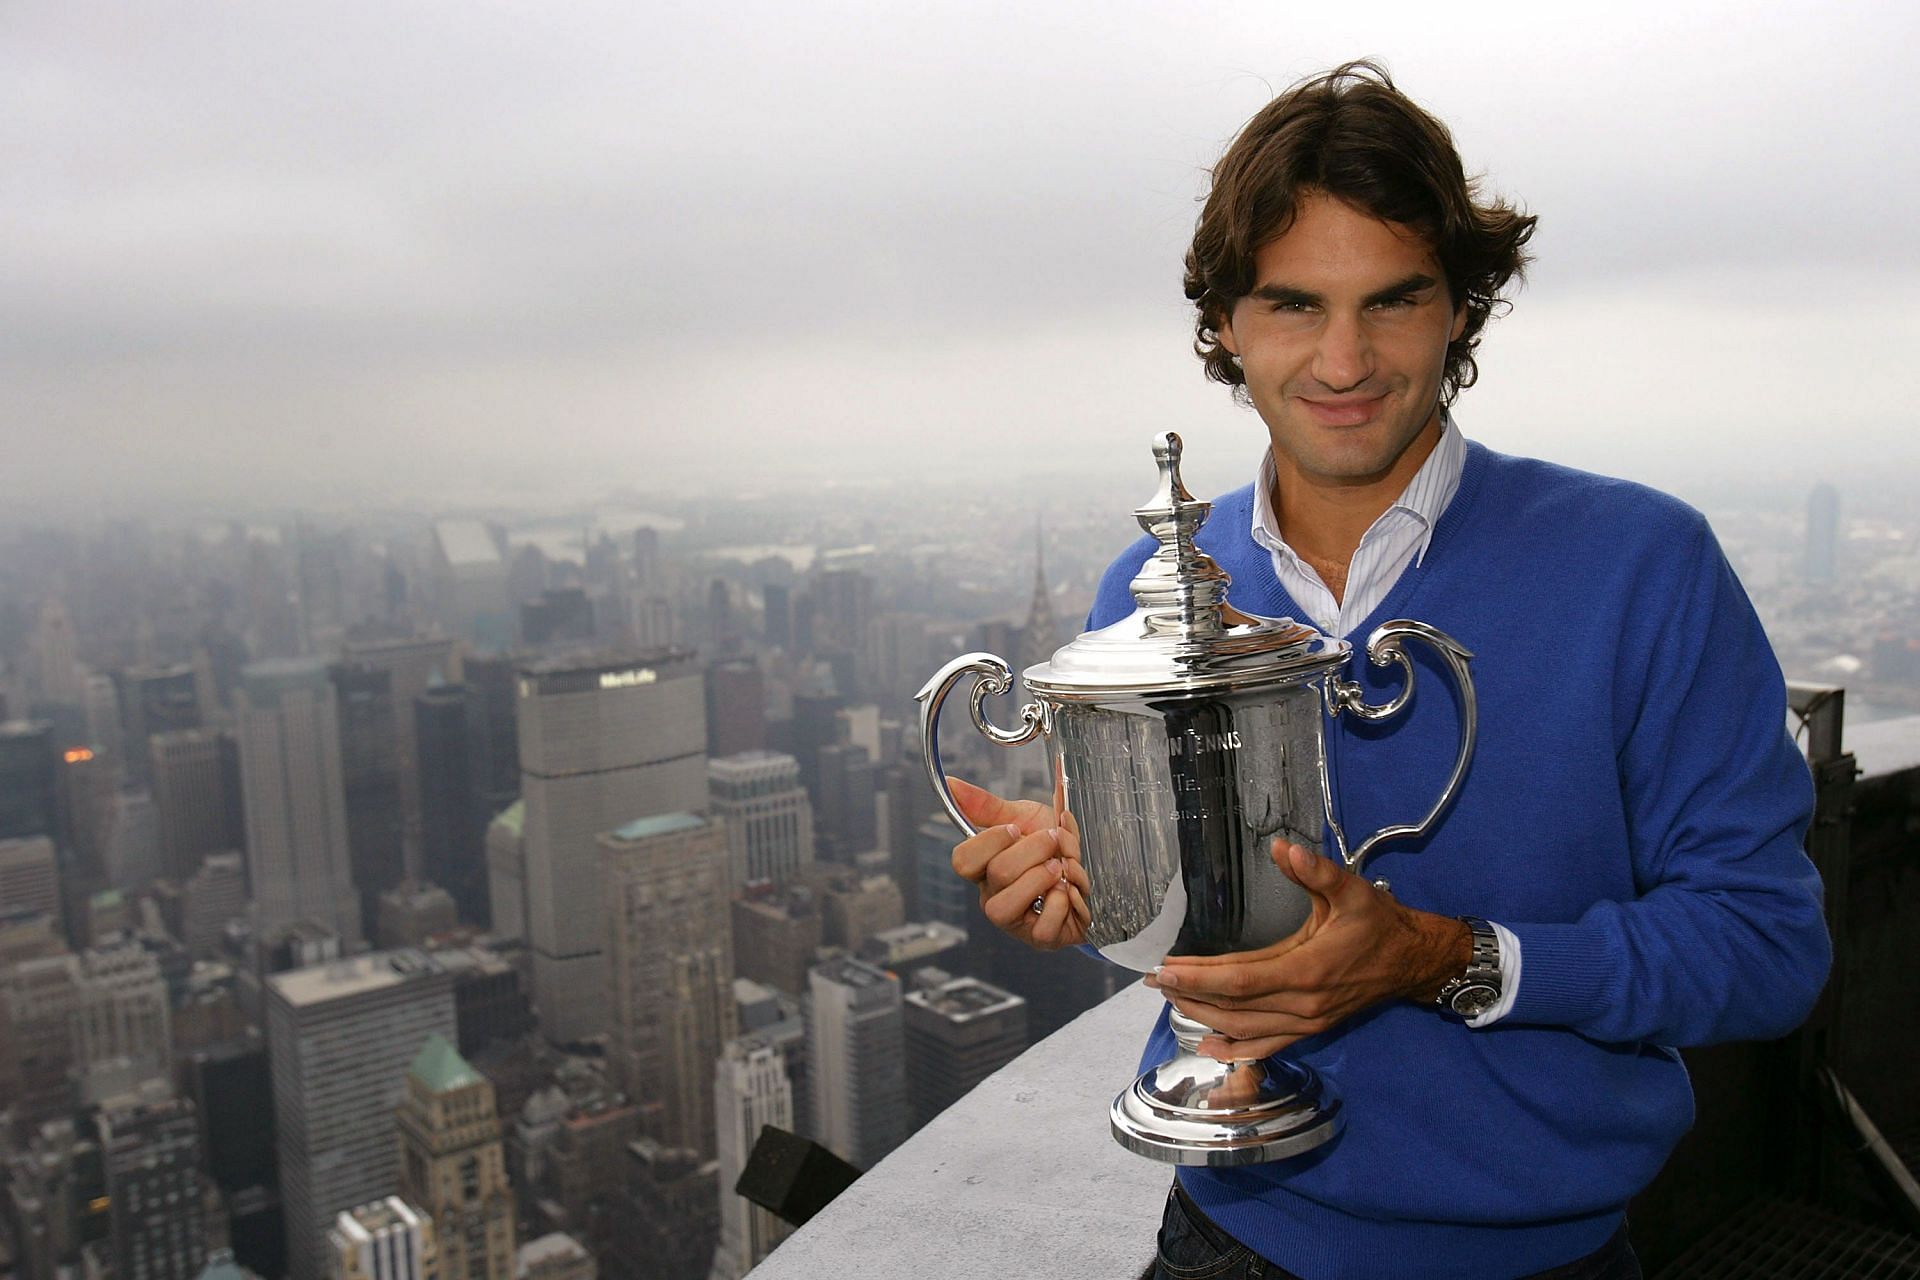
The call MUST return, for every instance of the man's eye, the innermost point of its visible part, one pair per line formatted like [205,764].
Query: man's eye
[1393,304]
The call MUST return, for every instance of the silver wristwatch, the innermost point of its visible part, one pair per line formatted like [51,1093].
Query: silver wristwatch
[1478,989]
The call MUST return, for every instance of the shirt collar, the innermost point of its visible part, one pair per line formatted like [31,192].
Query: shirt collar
[1424,498]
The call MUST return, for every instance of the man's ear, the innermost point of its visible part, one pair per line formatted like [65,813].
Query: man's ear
[1223,331]
[1459,323]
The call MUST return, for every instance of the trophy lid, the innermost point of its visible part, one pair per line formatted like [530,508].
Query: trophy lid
[1182,634]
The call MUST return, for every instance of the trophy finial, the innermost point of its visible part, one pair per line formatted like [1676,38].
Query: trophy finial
[1179,586]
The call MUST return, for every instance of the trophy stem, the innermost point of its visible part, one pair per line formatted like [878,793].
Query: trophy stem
[1195,1110]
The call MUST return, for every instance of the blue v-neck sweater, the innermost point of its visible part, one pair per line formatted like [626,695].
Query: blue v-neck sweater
[1634,814]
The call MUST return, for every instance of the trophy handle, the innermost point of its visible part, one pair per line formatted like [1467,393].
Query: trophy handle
[995,677]
[1384,647]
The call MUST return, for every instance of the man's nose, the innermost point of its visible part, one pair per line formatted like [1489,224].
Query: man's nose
[1343,358]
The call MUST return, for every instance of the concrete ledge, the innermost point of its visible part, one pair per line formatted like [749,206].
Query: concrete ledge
[1019,1178]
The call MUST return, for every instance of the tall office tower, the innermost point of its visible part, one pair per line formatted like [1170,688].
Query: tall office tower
[1823,533]
[296,802]
[320,590]
[843,606]
[150,1145]
[121,1010]
[668,1217]
[601,743]
[132,850]
[194,811]
[670,969]
[230,1084]
[490,1002]
[777,626]
[30,878]
[815,725]
[340,1036]
[908,803]
[370,771]
[856,903]
[723,627]
[649,571]
[561,617]
[386,1239]
[413,666]
[30,781]
[856,1055]
[154,700]
[216,894]
[453,833]
[958,1033]
[1058,986]
[102,710]
[899,654]
[58,677]
[652,622]
[750,1091]
[492,690]
[470,585]
[37,1000]
[776,930]
[554,1256]
[768,817]
[1041,634]
[736,707]
[943,896]
[507,873]
[451,1165]
[89,793]
[846,816]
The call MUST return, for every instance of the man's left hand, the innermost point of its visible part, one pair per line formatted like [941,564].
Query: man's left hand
[1358,948]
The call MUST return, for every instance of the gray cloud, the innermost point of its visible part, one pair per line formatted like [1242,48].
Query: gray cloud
[261,250]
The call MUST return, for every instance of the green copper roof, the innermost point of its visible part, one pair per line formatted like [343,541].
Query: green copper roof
[440,1067]
[663,824]
[514,817]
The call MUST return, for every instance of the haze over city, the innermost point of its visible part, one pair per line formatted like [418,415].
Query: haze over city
[418,256]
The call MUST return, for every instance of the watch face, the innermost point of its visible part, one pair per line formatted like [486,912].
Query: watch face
[1474,999]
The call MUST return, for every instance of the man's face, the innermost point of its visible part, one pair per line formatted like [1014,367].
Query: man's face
[1343,342]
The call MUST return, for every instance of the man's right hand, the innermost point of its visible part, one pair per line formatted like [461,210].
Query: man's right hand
[1026,852]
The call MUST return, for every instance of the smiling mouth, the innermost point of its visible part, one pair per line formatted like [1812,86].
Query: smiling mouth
[1350,412]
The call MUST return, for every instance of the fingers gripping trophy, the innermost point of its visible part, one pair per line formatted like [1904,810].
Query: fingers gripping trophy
[1185,740]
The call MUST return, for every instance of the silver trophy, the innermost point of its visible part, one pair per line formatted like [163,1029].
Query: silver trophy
[1185,739]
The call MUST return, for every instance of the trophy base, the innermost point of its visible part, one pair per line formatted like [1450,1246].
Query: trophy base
[1194,1110]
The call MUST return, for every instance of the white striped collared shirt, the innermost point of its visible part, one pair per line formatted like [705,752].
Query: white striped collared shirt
[1394,541]
[1397,539]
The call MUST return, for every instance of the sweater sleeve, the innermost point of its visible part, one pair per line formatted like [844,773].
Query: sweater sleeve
[1725,938]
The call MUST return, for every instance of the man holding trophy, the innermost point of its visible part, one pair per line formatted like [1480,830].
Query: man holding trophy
[1616,871]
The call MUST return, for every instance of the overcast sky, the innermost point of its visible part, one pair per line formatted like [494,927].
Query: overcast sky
[368,251]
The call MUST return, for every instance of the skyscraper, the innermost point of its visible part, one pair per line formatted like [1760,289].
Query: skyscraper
[340,1036]
[29,781]
[942,895]
[453,824]
[856,1056]
[768,817]
[750,1091]
[121,1011]
[150,1146]
[30,878]
[451,1165]
[154,700]
[736,707]
[602,743]
[196,815]
[295,803]
[370,776]
[413,666]
[507,873]
[847,821]
[670,965]
[959,1032]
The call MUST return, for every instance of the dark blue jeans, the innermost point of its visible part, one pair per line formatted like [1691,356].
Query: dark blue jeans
[1192,1247]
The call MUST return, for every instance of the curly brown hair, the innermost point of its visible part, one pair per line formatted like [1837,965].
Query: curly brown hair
[1350,134]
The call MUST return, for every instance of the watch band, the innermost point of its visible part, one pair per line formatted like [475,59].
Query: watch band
[1478,989]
